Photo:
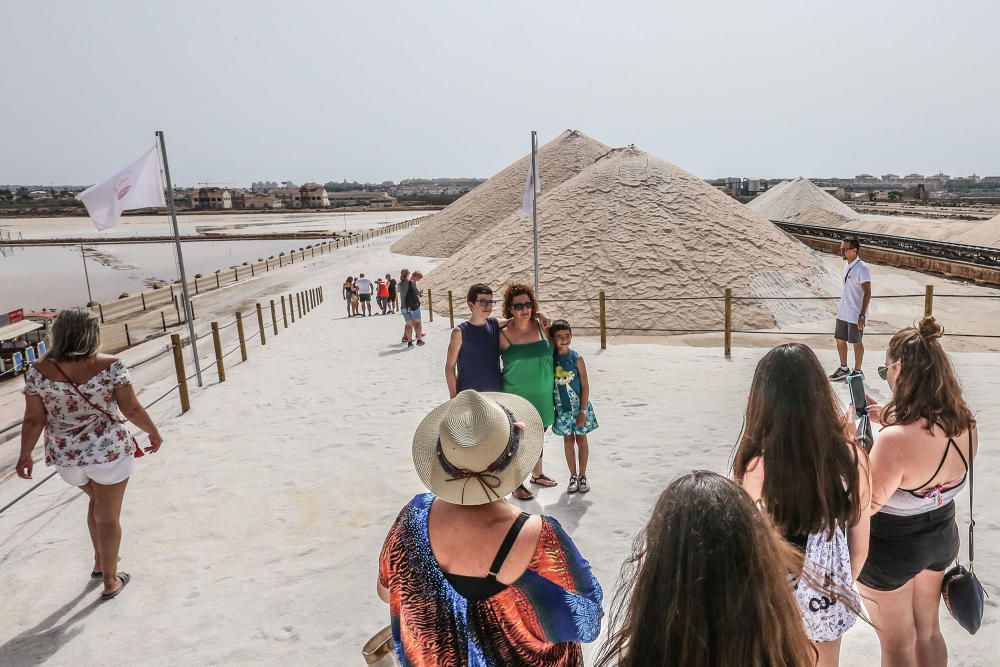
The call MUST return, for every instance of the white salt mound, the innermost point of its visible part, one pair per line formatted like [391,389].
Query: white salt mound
[637,226]
[791,198]
[821,217]
[489,203]
[986,233]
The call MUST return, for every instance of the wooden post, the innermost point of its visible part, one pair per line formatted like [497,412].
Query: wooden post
[243,338]
[451,311]
[284,313]
[196,285]
[729,322]
[260,325]
[430,306]
[163,319]
[128,338]
[182,387]
[218,351]
[236,275]
[171,286]
[929,301]
[298,303]
[142,296]
[279,261]
[218,283]
[291,308]
[100,310]
[274,318]
[293,256]
[604,321]
[252,274]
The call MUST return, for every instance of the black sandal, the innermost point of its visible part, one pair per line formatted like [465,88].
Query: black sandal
[122,577]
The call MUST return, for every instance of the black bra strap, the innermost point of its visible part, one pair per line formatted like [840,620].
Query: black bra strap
[947,448]
[508,543]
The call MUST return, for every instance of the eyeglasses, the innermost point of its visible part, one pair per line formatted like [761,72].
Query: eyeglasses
[521,306]
[883,370]
[486,304]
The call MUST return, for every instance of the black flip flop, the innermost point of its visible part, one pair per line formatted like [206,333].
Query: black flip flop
[124,578]
[97,574]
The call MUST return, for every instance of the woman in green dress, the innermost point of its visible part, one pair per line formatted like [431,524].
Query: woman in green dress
[528,364]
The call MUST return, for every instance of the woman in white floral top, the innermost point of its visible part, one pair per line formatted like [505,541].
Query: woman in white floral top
[78,397]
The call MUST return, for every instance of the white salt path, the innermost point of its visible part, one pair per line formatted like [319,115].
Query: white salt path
[489,203]
[253,537]
[792,198]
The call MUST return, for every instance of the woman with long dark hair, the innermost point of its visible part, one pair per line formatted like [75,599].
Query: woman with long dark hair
[920,461]
[707,586]
[797,460]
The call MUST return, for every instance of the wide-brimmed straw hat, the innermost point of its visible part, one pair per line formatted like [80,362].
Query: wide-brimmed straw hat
[468,452]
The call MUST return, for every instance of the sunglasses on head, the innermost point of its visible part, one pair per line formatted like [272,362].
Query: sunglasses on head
[521,306]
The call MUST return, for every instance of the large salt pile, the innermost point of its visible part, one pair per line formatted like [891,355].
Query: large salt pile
[451,228]
[986,233]
[792,198]
[639,227]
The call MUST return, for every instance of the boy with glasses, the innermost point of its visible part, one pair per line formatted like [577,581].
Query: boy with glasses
[473,360]
[853,308]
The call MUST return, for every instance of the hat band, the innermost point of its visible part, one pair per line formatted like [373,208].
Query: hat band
[488,480]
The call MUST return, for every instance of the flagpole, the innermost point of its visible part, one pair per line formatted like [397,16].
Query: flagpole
[534,205]
[90,297]
[188,310]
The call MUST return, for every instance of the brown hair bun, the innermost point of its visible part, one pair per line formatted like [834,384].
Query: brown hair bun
[929,329]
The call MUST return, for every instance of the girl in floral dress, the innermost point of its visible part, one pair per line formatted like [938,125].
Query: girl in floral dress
[574,414]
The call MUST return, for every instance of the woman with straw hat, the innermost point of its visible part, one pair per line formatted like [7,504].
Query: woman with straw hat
[469,578]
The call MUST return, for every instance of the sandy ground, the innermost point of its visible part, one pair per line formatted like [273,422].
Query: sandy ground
[253,537]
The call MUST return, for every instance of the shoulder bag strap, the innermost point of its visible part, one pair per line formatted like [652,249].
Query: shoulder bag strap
[76,388]
[972,522]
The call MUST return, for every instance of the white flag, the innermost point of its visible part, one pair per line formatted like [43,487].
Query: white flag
[532,186]
[136,186]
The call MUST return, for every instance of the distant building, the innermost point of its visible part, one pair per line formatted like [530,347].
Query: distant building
[260,201]
[359,198]
[890,177]
[839,193]
[990,179]
[211,198]
[864,177]
[306,196]
[914,177]
[289,197]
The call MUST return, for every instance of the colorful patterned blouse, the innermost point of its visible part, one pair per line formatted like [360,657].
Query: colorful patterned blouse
[538,620]
[75,433]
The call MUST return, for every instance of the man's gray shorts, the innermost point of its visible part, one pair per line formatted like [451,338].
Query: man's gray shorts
[848,331]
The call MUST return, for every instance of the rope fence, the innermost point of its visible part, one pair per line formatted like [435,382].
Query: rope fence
[311,298]
[728,299]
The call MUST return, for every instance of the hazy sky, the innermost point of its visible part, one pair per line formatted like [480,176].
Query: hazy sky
[388,90]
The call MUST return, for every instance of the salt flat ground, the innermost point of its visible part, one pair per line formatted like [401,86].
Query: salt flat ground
[253,537]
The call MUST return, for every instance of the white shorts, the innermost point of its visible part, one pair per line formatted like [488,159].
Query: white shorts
[99,473]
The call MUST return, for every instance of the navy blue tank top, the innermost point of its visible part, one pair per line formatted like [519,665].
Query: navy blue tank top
[479,357]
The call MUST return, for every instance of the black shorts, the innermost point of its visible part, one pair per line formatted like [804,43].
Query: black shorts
[848,331]
[902,547]
[365,297]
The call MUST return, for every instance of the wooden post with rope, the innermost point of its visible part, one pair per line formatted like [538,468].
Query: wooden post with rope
[604,321]
[182,388]
[217,341]
[728,315]
[242,337]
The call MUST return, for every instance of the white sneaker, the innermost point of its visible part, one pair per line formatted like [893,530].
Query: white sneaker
[572,485]
[582,485]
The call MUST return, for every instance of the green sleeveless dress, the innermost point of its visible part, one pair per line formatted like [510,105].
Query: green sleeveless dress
[528,372]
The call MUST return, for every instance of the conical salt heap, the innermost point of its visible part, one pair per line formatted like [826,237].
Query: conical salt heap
[489,203]
[637,226]
[790,199]
[986,233]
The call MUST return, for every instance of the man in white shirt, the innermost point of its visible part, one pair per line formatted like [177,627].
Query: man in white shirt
[853,308]
[364,293]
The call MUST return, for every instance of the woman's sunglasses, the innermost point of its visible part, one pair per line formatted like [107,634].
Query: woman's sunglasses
[883,370]
[520,306]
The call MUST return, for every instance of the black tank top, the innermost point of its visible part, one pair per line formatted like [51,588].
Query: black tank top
[480,588]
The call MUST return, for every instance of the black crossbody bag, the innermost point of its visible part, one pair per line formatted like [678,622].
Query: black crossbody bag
[963,594]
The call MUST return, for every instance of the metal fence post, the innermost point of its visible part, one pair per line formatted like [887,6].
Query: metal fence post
[218,351]
[260,325]
[182,388]
[929,301]
[728,344]
[242,337]
[604,323]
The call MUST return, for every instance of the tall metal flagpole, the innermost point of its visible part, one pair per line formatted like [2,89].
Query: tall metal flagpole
[534,203]
[188,310]
[90,297]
